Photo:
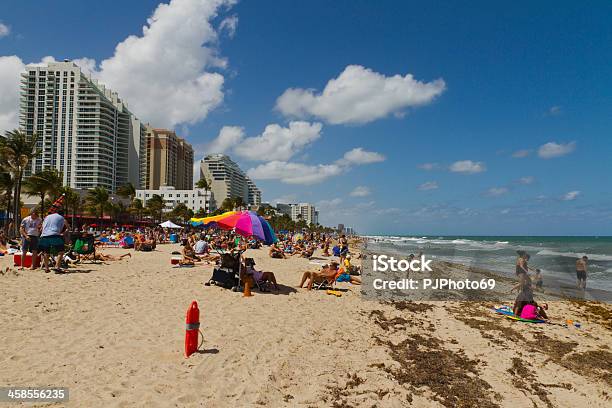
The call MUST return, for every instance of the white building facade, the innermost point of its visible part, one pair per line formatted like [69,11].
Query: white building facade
[84,130]
[227,180]
[195,199]
[306,212]
[254,193]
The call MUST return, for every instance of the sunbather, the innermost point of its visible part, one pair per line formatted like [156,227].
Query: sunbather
[188,253]
[276,252]
[258,276]
[327,273]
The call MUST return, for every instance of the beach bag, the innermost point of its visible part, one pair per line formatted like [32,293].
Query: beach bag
[223,278]
[529,312]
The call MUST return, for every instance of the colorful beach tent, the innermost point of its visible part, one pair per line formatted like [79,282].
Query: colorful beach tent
[245,223]
[169,224]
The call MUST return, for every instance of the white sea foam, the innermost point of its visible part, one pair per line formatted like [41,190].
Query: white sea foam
[594,257]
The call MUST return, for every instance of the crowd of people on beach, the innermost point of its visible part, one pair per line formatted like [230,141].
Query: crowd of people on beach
[61,246]
[200,247]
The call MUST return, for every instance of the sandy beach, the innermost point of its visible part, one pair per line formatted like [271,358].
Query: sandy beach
[113,334]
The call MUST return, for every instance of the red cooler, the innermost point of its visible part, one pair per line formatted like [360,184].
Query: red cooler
[28,260]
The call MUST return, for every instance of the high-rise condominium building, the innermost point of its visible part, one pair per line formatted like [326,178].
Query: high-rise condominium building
[254,193]
[227,180]
[168,160]
[306,212]
[84,130]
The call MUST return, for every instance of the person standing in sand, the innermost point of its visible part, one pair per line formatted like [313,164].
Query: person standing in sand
[582,265]
[30,231]
[522,263]
[52,239]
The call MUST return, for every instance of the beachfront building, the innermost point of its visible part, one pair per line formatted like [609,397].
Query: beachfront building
[306,212]
[254,194]
[168,160]
[84,130]
[194,199]
[227,180]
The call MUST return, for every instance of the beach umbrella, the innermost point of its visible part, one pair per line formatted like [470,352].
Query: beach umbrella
[268,231]
[169,224]
[207,220]
[245,223]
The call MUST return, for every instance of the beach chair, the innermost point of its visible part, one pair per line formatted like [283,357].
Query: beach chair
[327,283]
[85,246]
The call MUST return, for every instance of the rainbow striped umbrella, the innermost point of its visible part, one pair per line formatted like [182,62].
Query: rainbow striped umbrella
[245,223]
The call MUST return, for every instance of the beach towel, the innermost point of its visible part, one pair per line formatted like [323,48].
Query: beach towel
[507,312]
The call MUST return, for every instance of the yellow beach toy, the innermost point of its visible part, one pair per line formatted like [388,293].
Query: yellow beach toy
[336,293]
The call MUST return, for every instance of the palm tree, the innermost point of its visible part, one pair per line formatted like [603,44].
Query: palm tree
[156,205]
[227,204]
[16,152]
[72,201]
[6,190]
[137,207]
[182,212]
[97,198]
[127,191]
[204,184]
[44,183]
[238,202]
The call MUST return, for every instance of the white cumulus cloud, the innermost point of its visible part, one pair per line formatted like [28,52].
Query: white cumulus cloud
[467,167]
[279,143]
[229,136]
[429,185]
[359,95]
[166,74]
[570,196]
[275,143]
[4,30]
[526,180]
[10,68]
[360,191]
[552,149]
[294,173]
[360,156]
[300,173]
[229,25]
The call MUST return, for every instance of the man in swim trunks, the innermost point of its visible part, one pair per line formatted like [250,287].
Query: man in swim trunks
[52,239]
[582,265]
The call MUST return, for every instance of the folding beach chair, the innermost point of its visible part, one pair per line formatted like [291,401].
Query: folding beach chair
[85,246]
[327,283]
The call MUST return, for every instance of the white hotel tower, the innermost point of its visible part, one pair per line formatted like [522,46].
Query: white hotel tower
[84,130]
[228,180]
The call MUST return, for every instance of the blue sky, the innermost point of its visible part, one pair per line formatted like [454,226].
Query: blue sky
[528,76]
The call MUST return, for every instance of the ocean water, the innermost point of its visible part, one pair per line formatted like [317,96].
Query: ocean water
[555,256]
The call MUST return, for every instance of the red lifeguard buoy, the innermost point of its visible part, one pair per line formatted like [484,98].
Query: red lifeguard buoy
[192,328]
